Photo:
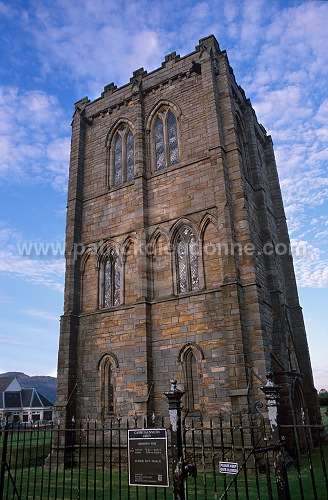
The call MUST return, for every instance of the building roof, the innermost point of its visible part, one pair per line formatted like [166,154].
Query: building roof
[45,401]
[24,398]
[5,382]
[12,399]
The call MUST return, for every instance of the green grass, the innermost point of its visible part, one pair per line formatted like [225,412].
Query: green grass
[35,481]
[324,416]
[76,484]
[305,472]
[26,449]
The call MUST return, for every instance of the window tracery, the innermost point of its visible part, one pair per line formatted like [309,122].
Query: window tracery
[109,389]
[118,157]
[166,139]
[187,262]
[108,371]
[123,156]
[111,281]
[192,380]
[129,156]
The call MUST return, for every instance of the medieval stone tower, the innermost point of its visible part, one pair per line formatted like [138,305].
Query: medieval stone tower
[178,261]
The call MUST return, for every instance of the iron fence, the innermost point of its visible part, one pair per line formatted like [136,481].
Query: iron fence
[226,457]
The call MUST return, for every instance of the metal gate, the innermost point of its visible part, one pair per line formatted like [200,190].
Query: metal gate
[226,457]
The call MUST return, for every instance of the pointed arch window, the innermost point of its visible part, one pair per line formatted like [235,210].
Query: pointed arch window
[192,380]
[123,156]
[187,262]
[129,156]
[107,375]
[166,139]
[109,383]
[111,281]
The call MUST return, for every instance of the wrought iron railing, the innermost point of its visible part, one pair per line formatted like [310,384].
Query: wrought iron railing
[229,456]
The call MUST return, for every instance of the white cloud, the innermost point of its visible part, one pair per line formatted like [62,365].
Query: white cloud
[310,264]
[39,272]
[38,263]
[291,106]
[281,53]
[309,187]
[34,145]
[287,86]
[96,42]
[7,11]
[230,11]
[322,113]
[286,81]
[322,235]
[311,273]
[8,234]
[40,314]
[312,276]
[8,339]
[304,250]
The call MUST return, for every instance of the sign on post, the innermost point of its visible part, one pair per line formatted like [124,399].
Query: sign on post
[148,461]
[228,467]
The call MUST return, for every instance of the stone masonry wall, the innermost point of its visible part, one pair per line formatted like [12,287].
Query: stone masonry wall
[224,190]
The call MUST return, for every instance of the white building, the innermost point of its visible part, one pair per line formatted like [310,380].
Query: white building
[22,405]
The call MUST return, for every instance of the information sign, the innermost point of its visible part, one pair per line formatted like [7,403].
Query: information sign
[148,461]
[228,467]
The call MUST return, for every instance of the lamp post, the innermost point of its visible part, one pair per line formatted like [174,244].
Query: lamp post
[174,401]
[272,394]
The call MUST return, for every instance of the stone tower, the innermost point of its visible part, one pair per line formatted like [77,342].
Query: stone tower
[178,259]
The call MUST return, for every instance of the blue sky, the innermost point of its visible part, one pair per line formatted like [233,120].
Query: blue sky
[55,52]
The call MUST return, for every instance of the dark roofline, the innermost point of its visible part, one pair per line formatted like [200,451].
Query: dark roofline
[43,401]
[5,382]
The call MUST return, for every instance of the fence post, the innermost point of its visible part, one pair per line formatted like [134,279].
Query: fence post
[4,464]
[3,457]
[174,402]
[272,394]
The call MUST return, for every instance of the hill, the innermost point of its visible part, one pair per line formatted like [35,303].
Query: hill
[46,385]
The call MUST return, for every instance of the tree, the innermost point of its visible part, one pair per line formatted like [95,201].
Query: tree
[323,397]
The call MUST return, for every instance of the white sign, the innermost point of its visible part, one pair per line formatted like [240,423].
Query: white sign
[228,467]
[148,460]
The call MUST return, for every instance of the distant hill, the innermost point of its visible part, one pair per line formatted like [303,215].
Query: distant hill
[47,386]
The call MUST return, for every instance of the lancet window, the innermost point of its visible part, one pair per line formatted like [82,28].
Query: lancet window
[166,139]
[109,401]
[187,262]
[111,281]
[192,380]
[107,374]
[123,156]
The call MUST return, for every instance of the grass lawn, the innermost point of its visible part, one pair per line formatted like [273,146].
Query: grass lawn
[36,482]
[324,416]
[26,455]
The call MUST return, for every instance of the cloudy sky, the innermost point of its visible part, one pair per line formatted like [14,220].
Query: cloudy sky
[55,52]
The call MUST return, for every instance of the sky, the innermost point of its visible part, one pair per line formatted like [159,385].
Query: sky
[54,53]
